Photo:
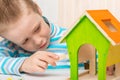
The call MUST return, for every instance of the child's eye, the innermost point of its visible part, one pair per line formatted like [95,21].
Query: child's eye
[25,41]
[37,29]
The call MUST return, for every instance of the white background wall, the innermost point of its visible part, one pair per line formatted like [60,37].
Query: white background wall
[64,12]
[49,9]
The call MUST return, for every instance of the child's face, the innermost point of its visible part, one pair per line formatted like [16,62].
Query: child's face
[30,32]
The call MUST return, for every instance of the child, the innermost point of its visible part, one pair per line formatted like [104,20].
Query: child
[31,41]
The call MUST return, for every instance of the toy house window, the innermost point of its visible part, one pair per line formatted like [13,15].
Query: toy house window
[110,26]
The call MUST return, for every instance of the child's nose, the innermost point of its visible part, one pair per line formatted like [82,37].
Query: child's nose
[37,40]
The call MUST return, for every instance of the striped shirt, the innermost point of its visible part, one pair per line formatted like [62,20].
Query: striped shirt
[12,56]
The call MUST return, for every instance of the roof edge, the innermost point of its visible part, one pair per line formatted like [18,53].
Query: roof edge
[62,39]
[100,29]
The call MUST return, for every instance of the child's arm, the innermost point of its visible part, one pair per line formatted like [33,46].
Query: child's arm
[8,64]
[35,63]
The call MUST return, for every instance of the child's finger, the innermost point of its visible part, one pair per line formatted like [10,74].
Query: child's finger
[42,64]
[62,56]
[53,56]
[50,60]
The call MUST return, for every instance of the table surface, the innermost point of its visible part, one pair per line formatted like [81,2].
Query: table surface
[54,74]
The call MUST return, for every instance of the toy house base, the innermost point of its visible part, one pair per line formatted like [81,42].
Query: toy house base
[89,77]
[86,76]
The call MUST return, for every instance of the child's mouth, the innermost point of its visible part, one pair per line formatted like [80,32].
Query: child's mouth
[43,45]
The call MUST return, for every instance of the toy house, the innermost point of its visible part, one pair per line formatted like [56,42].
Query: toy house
[100,29]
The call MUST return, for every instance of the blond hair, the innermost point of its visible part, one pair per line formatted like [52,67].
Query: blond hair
[11,10]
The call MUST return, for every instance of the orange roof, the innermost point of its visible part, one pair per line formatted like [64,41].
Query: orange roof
[109,25]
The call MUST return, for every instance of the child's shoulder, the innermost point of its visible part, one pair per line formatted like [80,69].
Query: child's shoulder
[57,30]
[4,42]
[7,43]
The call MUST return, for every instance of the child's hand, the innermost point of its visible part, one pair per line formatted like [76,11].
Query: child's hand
[38,62]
